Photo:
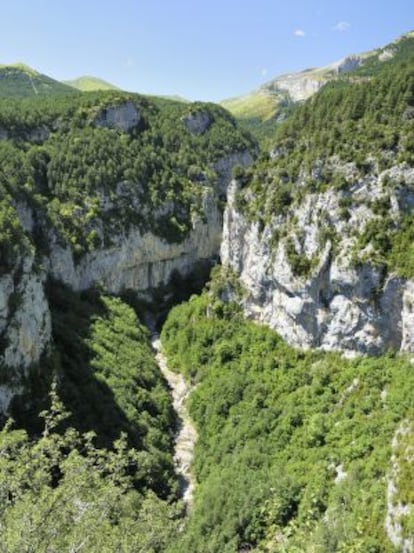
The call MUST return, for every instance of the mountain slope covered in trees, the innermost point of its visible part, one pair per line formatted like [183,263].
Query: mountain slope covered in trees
[294,449]
[299,449]
[20,81]
[264,109]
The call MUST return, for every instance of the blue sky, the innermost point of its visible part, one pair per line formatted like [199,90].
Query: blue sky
[206,50]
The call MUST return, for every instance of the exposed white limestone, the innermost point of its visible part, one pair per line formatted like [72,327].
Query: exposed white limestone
[197,122]
[339,305]
[124,117]
[140,261]
[25,326]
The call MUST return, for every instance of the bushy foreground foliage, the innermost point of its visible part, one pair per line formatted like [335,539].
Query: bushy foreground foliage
[60,493]
[294,448]
[109,381]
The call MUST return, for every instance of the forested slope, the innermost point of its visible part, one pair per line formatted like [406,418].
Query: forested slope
[320,229]
[112,195]
[294,449]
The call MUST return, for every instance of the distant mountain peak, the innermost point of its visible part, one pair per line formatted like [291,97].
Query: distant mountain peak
[267,104]
[88,83]
[19,80]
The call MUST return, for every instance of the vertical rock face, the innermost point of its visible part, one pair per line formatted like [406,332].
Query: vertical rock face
[224,166]
[25,326]
[299,87]
[198,122]
[407,319]
[140,261]
[124,117]
[338,304]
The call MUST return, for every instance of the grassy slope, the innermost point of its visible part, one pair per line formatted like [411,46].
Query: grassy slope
[260,104]
[20,81]
[89,84]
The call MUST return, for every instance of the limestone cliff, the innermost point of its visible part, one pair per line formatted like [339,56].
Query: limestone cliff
[25,328]
[133,259]
[139,260]
[343,300]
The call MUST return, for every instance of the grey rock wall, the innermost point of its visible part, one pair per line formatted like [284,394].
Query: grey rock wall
[339,305]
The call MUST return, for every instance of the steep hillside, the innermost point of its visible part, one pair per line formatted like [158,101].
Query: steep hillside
[295,451]
[87,83]
[21,81]
[262,109]
[104,188]
[320,230]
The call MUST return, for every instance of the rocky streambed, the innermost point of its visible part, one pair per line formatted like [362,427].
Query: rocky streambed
[186,435]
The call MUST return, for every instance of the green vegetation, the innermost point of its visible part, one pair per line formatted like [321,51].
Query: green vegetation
[12,239]
[259,105]
[59,161]
[20,81]
[294,448]
[90,84]
[262,110]
[361,119]
[108,379]
[95,470]
[60,493]
[258,113]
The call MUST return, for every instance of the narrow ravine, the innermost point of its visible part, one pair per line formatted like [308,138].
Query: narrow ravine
[186,435]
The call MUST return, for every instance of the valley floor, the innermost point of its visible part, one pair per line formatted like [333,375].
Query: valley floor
[186,436]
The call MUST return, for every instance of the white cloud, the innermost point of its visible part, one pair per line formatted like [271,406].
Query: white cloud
[299,32]
[341,26]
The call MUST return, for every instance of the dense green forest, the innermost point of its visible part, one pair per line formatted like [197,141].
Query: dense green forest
[294,448]
[358,126]
[87,181]
[94,469]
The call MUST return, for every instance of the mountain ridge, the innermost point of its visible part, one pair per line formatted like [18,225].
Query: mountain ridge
[21,81]
[270,100]
[89,83]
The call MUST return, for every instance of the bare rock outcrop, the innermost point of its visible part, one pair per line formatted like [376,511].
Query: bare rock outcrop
[344,302]
[123,117]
